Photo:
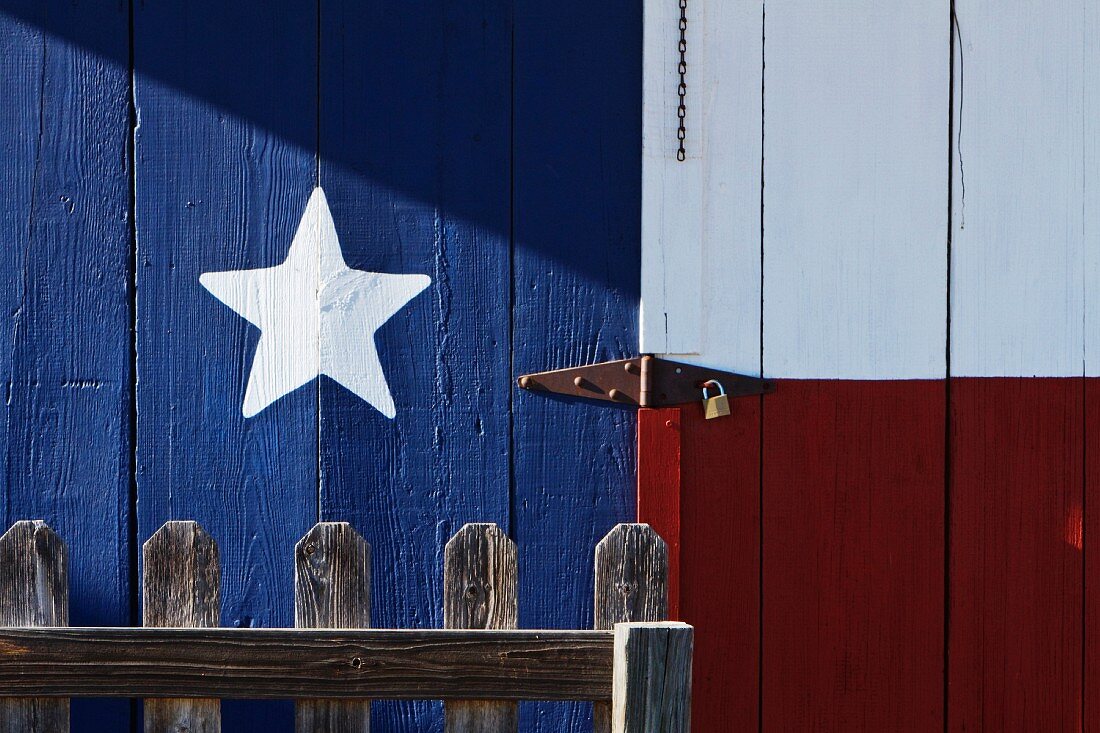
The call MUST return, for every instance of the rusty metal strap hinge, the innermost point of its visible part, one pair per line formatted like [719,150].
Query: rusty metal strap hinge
[647,381]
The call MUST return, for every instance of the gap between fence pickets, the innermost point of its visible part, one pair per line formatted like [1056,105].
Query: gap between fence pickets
[333,673]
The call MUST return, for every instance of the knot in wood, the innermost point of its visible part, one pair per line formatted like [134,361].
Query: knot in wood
[310,548]
[356,662]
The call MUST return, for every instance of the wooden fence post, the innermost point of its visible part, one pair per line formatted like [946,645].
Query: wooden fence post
[34,591]
[651,690]
[180,588]
[332,591]
[479,592]
[631,585]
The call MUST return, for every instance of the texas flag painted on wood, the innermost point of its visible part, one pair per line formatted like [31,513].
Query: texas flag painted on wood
[265,263]
[899,537]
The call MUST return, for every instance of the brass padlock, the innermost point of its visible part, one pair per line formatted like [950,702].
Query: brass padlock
[717,406]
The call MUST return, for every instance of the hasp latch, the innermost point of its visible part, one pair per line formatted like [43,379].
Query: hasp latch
[645,381]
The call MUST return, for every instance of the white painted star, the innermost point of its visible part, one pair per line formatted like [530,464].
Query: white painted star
[315,314]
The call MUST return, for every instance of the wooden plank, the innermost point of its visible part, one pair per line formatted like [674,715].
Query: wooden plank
[652,688]
[1020,168]
[1090,527]
[479,592]
[853,555]
[660,487]
[1018,179]
[415,156]
[700,290]
[854,288]
[1016,554]
[631,584]
[65,271]
[34,591]
[854,205]
[179,588]
[226,106]
[720,560]
[332,575]
[306,663]
[576,179]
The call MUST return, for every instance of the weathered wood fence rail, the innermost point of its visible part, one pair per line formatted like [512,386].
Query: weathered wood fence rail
[634,665]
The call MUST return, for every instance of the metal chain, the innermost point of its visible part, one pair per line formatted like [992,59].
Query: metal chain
[681,91]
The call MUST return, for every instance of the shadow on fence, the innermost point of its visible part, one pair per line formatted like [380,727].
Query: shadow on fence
[635,666]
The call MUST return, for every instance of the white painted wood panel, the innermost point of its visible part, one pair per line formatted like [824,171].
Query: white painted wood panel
[1091,185]
[701,217]
[1019,211]
[856,101]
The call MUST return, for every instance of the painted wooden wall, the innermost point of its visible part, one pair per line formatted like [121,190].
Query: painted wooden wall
[491,146]
[892,214]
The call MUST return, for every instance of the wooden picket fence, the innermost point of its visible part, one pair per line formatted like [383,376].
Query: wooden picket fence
[634,665]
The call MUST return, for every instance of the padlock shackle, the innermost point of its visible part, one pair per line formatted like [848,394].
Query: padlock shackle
[721,389]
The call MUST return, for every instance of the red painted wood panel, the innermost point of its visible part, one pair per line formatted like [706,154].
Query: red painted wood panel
[1091,548]
[853,556]
[715,464]
[1016,583]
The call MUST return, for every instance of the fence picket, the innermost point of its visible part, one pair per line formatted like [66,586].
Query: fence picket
[34,591]
[652,678]
[180,588]
[332,590]
[479,592]
[631,585]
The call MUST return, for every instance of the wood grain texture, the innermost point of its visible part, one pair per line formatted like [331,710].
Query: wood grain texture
[415,109]
[576,212]
[660,487]
[306,663]
[65,274]
[652,685]
[700,285]
[720,561]
[1090,528]
[226,104]
[631,584]
[1016,554]
[1022,78]
[853,556]
[854,197]
[479,592]
[34,591]
[180,588]
[332,589]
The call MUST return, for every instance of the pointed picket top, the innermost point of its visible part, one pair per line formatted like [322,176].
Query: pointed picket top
[480,592]
[34,586]
[480,579]
[332,590]
[34,591]
[180,582]
[332,578]
[631,576]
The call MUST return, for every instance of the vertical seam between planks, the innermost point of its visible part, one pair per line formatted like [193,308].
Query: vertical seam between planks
[317,157]
[511,271]
[132,546]
[760,423]
[952,26]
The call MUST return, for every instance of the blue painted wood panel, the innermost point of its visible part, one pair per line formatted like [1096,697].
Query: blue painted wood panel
[576,214]
[226,122]
[493,146]
[415,159]
[64,318]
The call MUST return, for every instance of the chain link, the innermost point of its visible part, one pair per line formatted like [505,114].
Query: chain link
[681,90]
